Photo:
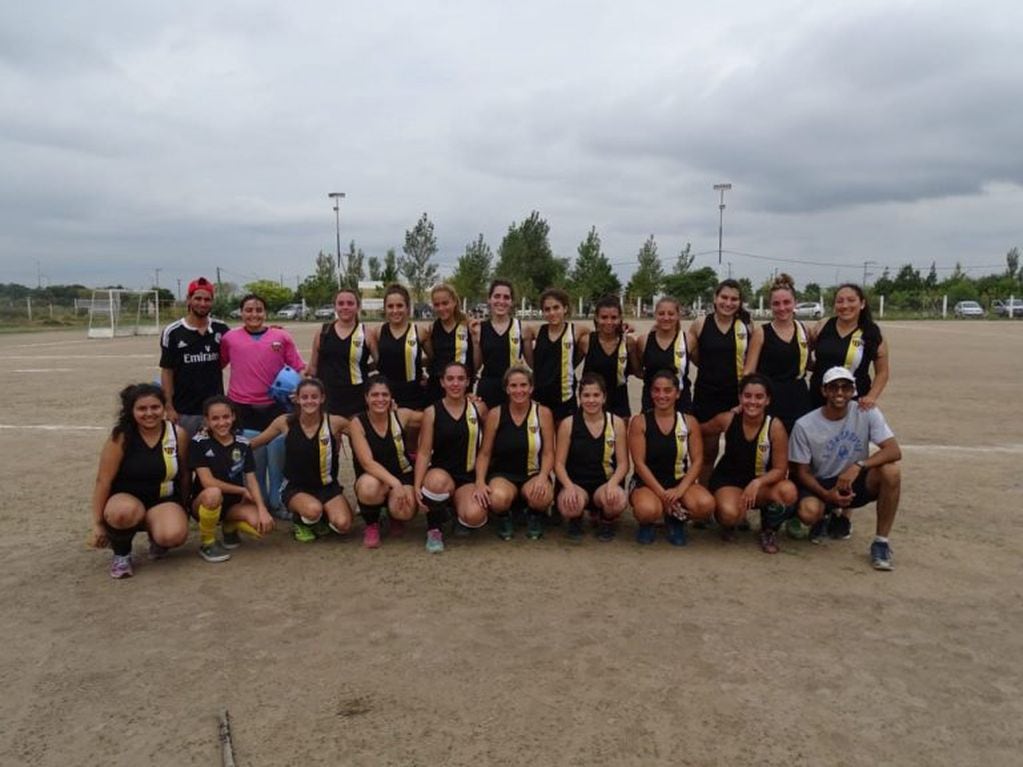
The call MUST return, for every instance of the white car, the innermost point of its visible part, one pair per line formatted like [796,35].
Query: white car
[324,313]
[810,310]
[293,312]
[968,309]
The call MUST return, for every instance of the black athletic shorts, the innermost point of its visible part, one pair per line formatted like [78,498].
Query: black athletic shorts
[323,493]
[861,496]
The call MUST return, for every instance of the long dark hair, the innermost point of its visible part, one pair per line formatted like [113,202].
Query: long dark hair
[755,379]
[608,302]
[129,395]
[743,313]
[317,384]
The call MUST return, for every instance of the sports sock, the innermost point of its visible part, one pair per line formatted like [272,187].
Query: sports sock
[208,519]
[241,526]
[120,540]
[437,505]
[370,514]
[880,539]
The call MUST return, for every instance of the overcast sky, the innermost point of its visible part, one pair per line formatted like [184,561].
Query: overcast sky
[190,135]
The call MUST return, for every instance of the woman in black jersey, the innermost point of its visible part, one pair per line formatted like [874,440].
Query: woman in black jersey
[312,439]
[590,462]
[400,350]
[225,490]
[449,441]
[556,352]
[667,456]
[751,473]
[780,351]
[610,353]
[665,347]
[449,339]
[383,466]
[500,342]
[516,458]
[141,480]
[342,352]
[719,341]
[851,339]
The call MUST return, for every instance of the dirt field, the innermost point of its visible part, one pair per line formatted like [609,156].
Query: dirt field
[523,652]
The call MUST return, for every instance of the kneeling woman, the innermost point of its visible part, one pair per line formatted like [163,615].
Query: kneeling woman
[667,455]
[591,461]
[449,441]
[140,482]
[517,456]
[226,490]
[383,466]
[751,473]
[312,438]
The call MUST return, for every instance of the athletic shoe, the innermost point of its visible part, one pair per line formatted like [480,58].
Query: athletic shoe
[232,539]
[839,527]
[321,528]
[605,532]
[434,541]
[395,527]
[728,534]
[214,552]
[371,536]
[280,512]
[505,527]
[574,530]
[769,541]
[121,567]
[676,529]
[795,529]
[302,532]
[534,526]
[744,525]
[881,555]
[820,528]
[646,535]
[156,551]
[459,530]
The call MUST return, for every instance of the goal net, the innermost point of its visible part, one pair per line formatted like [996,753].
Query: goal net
[115,313]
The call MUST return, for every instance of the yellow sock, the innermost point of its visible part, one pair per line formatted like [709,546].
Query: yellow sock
[241,526]
[208,519]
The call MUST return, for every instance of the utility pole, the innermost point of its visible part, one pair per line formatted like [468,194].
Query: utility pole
[158,281]
[729,270]
[337,197]
[179,288]
[722,188]
[218,279]
[867,274]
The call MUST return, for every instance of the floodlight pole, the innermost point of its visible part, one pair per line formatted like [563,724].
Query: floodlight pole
[722,188]
[337,197]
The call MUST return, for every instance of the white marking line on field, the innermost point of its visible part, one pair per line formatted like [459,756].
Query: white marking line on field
[75,356]
[50,343]
[43,370]
[1018,448]
[50,427]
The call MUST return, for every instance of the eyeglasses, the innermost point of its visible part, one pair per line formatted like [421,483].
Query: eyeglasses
[840,386]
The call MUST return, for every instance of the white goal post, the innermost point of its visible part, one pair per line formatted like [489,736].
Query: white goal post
[115,313]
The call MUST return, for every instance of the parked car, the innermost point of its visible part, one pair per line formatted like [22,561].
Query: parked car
[235,314]
[293,312]
[968,309]
[810,310]
[1001,308]
[324,313]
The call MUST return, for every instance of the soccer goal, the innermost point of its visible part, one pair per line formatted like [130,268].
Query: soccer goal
[115,313]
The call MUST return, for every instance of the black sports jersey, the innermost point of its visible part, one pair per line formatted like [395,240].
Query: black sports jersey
[310,462]
[722,356]
[456,441]
[667,455]
[591,460]
[517,447]
[450,346]
[228,463]
[784,364]
[554,366]
[743,459]
[401,358]
[855,351]
[389,449]
[194,361]
[342,362]
[614,369]
[500,350]
[150,473]
[675,358]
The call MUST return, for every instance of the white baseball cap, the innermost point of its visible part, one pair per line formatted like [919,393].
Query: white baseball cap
[838,373]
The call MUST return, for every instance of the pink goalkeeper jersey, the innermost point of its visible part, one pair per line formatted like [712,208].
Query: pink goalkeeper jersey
[255,362]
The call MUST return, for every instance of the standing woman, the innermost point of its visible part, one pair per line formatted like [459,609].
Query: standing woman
[449,441]
[591,461]
[448,340]
[555,355]
[719,341]
[516,458]
[256,353]
[751,473]
[609,352]
[500,342]
[141,480]
[780,351]
[667,456]
[383,466]
[400,351]
[665,347]
[312,439]
[341,355]
[851,339]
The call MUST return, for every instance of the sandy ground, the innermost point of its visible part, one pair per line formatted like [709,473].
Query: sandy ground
[523,652]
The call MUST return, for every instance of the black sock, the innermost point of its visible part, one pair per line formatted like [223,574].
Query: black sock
[436,513]
[370,514]
[120,540]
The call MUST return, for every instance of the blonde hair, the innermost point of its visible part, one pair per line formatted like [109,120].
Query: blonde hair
[784,282]
[444,287]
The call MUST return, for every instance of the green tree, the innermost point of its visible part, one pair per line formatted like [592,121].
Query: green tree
[812,292]
[473,271]
[592,276]
[319,287]
[275,294]
[375,268]
[649,276]
[685,259]
[389,273]
[690,285]
[525,258]
[420,247]
[1012,263]
[931,281]
[353,266]
[908,280]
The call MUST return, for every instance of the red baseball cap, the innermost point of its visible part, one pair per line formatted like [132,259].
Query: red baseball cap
[200,283]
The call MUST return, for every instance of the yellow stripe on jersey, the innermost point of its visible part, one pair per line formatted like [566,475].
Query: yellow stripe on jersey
[608,458]
[568,363]
[681,447]
[803,341]
[461,343]
[323,445]
[681,354]
[762,458]
[514,342]
[399,444]
[534,440]
[169,448]
[355,353]
[741,333]
[411,353]
[621,370]
[854,353]
[474,436]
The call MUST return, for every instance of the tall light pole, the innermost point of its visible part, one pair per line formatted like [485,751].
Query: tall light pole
[337,197]
[721,214]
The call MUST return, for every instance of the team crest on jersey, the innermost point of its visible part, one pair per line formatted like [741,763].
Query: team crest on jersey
[411,341]
[857,342]
[471,418]
[324,440]
[236,455]
[740,332]
[169,450]
[534,429]
[610,441]
[762,448]
[276,346]
[216,337]
[462,333]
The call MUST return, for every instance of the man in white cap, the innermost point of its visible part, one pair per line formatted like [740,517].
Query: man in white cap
[829,451]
